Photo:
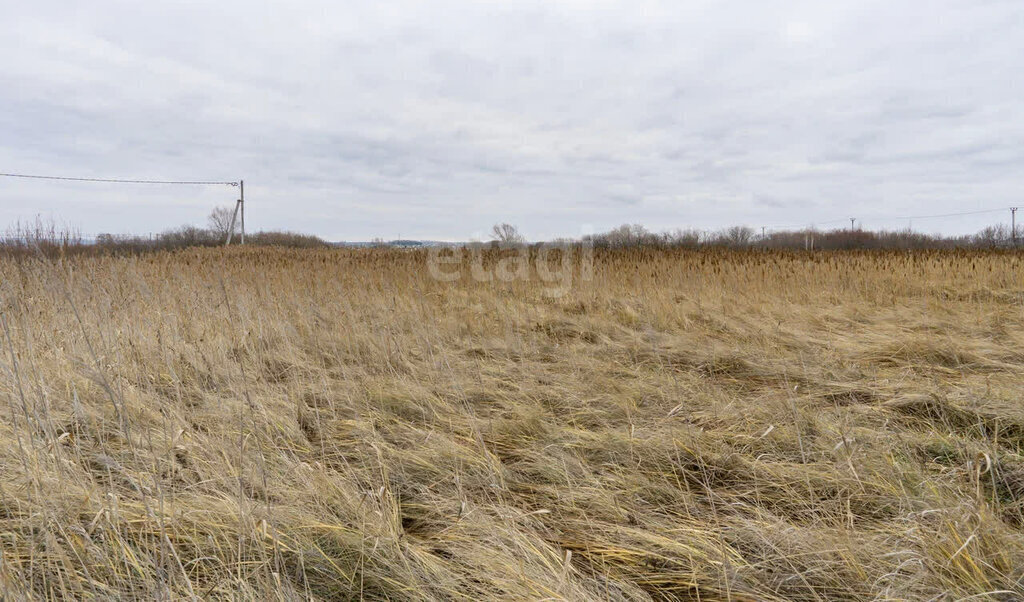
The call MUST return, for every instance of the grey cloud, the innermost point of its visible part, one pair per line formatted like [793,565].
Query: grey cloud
[437,120]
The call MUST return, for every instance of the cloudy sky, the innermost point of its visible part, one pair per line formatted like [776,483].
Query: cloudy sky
[436,119]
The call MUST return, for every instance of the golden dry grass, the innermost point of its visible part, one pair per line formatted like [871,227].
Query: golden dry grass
[288,425]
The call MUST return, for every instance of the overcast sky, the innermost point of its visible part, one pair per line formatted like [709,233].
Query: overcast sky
[436,119]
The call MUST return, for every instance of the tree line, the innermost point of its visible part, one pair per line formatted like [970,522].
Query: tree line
[745,237]
[48,238]
[998,236]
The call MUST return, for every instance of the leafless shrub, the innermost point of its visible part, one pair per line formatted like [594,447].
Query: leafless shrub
[507,234]
[222,221]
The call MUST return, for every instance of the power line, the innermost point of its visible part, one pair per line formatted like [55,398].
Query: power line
[118,181]
[887,218]
[950,214]
[808,224]
[239,206]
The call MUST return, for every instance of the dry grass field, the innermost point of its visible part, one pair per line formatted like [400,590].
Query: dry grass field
[336,424]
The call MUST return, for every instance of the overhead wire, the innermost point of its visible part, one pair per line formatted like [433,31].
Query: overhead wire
[119,181]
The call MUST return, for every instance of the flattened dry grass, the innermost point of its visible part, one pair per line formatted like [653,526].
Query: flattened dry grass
[334,424]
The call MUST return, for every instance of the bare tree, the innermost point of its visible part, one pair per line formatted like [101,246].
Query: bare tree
[737,236]
[507,234]
[220,221]
[626,235]
[993,236]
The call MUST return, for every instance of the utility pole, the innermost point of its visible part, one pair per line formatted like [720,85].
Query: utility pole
[851,223]
[1013,225]
[241,204]
[239,209]
[762,233]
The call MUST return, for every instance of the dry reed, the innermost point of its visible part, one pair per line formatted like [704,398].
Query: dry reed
[335,424]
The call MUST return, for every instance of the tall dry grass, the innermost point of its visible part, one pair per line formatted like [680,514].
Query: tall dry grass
[299,424]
